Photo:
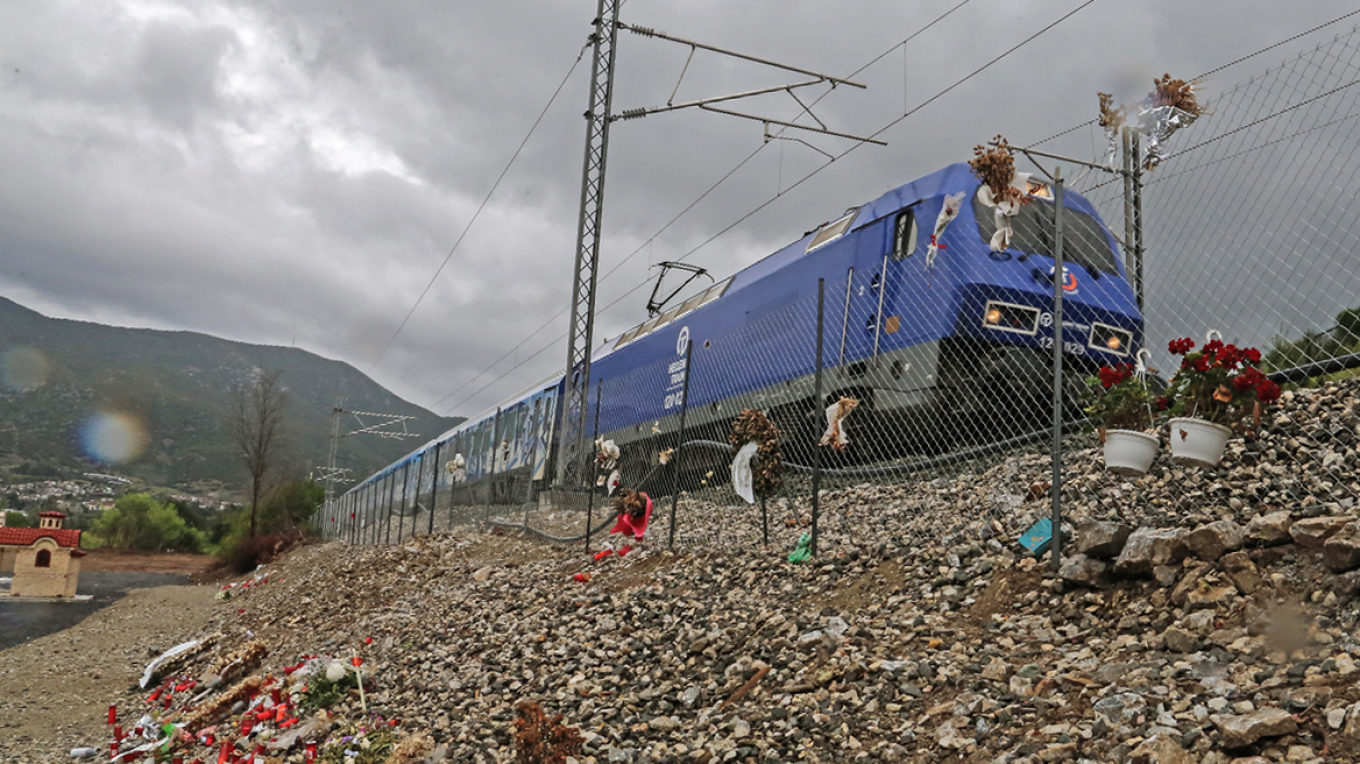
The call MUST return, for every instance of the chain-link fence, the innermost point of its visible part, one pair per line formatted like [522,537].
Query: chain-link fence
[942,361]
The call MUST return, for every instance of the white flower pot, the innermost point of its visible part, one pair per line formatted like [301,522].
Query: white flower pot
[1128,452]
[1198,443]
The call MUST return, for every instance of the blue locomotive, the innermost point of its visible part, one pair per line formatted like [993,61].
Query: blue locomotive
[943,336]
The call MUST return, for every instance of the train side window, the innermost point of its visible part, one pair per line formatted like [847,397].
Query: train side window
[904,236]
[832,230]
[692,303]
[716,291]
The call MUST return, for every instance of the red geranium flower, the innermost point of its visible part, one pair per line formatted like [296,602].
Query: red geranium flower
[1220,383]
[1267,391]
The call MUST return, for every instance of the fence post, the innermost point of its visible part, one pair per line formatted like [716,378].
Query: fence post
[406,496]
[1136,145]
[1058,282]
[680,440]
[391,502]
[533,456]
[434,487]
[590,484]
[764,521]
[817,403]
[371,514]
[540,419]
[491,473]
[361,515]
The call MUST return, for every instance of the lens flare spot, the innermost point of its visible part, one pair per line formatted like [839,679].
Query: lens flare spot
[23,369]
[113,436]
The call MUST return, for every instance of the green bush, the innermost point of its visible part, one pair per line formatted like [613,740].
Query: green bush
[141,523]
[291,507]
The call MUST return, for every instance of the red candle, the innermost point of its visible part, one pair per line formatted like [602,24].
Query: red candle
[113,713]
[226,752]
[311,752]
[117,732]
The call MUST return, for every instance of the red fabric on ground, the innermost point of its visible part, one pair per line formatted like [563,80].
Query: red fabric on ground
[634,527]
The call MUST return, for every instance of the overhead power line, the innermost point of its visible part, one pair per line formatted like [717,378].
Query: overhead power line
[1218,69]
[697,200]
[811,174]
[478,213]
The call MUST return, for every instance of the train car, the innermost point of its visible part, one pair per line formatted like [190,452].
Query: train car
[943,339]
[938,356]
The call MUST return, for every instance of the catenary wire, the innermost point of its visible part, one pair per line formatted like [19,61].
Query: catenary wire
[480,207]
[1240,128]
[697,200]
[1218,69]
[816,171]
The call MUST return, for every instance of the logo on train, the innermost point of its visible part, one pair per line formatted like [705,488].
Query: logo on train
[675,381]
[1069,280]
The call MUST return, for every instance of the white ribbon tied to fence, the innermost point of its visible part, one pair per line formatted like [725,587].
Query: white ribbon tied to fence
[952,204]
[742,480]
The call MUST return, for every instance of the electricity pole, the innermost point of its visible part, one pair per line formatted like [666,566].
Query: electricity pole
[571,430]
[334,474]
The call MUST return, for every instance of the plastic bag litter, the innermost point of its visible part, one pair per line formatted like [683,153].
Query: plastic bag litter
[835,424]
[742,481]
[165,656]
[952,204]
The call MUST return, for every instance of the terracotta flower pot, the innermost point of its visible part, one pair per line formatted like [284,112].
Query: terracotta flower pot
[1198,443]
[1129,452]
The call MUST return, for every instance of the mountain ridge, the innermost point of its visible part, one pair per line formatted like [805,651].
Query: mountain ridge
[61,378]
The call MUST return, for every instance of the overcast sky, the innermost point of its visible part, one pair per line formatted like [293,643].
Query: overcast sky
[295,173]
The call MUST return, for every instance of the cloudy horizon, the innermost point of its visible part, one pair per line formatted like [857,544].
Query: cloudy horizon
[296,176]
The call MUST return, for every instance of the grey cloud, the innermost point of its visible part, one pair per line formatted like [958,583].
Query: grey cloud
[161,191]
[178,70]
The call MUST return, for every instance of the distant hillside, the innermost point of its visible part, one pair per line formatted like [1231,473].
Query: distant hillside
[56,374]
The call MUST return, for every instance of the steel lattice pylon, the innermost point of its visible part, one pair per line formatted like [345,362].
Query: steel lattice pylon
[580,335]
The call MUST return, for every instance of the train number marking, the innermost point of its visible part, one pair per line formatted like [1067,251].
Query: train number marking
[1071,348]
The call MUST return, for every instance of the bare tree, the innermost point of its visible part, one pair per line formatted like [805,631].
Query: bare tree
[257,429]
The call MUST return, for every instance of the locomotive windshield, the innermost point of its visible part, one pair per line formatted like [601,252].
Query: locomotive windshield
[1084,240]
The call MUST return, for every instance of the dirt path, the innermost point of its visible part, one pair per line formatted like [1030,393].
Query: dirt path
[141,562]
[54,689]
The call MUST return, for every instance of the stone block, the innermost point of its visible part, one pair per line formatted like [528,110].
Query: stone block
[1269,530]
[1313,532]
[1102,540]
[1341,552]
[1212,541]
[1148,548]
[1240,730]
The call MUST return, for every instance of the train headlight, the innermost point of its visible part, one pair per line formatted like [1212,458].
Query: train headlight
[1110,339]
[1006,317]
